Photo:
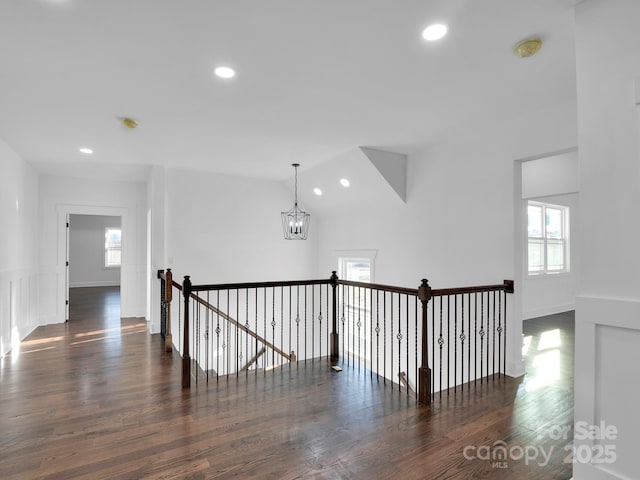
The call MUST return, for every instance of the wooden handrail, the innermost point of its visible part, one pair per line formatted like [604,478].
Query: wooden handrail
[403,381]
[378,286]
[254,359]
[250,285]
[290,357]
[507,286]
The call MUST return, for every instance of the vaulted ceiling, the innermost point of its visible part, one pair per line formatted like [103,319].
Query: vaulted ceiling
[314,78]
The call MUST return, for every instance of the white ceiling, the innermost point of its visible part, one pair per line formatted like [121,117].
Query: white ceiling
[315,78]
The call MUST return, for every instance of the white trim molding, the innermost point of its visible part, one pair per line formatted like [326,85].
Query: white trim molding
[606,387]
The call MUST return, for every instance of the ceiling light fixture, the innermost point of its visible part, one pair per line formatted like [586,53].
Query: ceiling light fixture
[129,123]
[295,222]
[86,151]
[225,72]
[434,32]
[344,182]
[317,191]
[528,48]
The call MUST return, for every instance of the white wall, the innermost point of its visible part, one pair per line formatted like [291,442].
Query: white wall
[86,251]
[224,228]
[608,309]
[548,294]
[18,249]
[553,175]
[60,196]
[457,227]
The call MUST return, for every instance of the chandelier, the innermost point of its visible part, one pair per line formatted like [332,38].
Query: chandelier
[295,222]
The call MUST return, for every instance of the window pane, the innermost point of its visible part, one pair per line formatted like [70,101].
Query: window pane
[357,270]
[534,216]
[554,223]
[555,255]
[112,247]
[113,257]
[536,256]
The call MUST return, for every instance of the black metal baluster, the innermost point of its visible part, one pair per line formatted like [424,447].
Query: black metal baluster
[238,348]
[342,320]
[246,334]
[320,322]
[504,339]
[217,336]
[225,346]
[257,332]
[351,325]
[206,335]
[273,325]
[371,333]
[377,334]
[407,376]
[455,343]
[399,337]
[493,329]
[313,322]
[384,337]
[298,320]
[433,346]
[180,339]
[448,347]
[289,349]
[500,329]
[281,321]
[475,339]
[441,343]
[415,336]
[306,340]
[481,333]
[469,342]
[391,342]
[328,321]
[462,338]
[359,324]
[265,362]
[196,337]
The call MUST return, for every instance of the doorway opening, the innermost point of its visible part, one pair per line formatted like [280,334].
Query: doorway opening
[94,260]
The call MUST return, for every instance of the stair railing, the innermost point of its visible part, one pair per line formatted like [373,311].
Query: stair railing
[394,333]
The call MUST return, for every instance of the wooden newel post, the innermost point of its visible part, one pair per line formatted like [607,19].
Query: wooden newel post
[334,343]
[168,289]
[424,372]
[186,359]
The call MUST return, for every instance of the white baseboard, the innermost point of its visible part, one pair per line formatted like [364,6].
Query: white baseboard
[544,311]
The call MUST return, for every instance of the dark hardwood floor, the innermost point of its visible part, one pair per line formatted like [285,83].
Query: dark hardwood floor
[97,397]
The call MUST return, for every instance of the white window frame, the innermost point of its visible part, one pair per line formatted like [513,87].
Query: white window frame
[107,248]
[543,238]
[364,256]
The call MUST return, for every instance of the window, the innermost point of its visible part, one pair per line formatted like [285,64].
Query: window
[112,247]
[356,305]
[355,269]
[547,238]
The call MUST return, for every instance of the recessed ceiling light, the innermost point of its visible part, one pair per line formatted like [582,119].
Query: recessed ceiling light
[317,191]
[85,150]
[344,182]
[434,32]
[225,72]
